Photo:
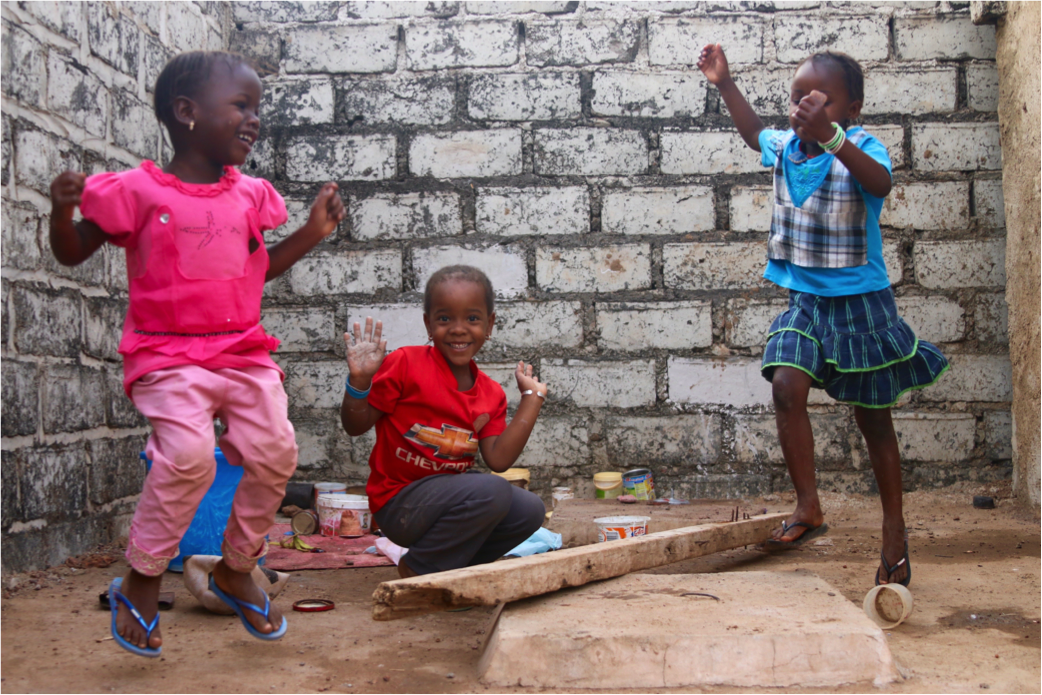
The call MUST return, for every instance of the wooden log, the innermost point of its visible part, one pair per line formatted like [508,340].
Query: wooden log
[511,580]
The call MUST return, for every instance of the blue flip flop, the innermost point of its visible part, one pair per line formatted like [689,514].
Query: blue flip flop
[237,606]
[115,597]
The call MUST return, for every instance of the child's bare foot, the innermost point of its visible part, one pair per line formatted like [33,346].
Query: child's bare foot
[241,586]
[895,543]
[143,592]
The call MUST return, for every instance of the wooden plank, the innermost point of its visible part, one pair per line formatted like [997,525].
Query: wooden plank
[511,580]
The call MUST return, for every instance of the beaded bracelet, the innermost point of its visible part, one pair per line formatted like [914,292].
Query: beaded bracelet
[355,393]
[833,145]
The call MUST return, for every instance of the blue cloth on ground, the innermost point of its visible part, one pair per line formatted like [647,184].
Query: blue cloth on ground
[541,541]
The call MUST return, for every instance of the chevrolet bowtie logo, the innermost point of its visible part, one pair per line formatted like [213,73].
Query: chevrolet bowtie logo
[448,442]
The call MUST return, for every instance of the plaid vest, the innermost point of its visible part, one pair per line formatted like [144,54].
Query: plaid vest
[829,230]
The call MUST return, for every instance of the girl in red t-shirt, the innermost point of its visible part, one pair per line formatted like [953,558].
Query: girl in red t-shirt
[433,410]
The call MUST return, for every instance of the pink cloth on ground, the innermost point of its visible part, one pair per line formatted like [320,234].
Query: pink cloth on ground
[189,267]
[180,403]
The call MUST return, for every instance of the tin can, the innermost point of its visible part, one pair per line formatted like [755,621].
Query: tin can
[640,483]
[304,522]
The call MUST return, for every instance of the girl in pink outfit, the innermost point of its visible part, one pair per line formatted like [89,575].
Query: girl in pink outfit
[193,345]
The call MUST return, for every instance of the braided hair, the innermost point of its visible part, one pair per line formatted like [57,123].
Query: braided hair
[459,272]
[184,76]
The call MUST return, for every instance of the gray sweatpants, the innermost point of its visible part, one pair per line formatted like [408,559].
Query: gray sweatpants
[452,520]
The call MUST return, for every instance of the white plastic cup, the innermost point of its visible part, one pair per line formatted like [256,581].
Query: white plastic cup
[615,528]
[888,605]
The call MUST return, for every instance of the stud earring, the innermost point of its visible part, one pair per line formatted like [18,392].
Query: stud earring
[191,125]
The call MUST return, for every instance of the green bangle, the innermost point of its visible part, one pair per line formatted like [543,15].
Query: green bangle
[832,145]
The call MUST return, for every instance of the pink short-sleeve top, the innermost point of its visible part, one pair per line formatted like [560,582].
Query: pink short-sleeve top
[196,262]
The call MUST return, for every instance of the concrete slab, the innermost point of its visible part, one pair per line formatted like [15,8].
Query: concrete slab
[573,519]
[768,629]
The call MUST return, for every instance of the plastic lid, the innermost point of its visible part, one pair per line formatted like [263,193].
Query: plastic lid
[607,477]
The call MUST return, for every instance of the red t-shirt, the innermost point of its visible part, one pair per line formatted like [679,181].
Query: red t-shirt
[428,425]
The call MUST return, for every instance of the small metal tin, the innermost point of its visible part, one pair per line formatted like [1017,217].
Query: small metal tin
[304,522]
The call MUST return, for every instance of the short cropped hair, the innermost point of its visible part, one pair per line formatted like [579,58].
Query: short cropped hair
[184,76]
[459,272]
[853,75]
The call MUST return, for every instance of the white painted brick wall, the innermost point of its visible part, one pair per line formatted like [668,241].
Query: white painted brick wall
[956,146]
[756,438]
[989,203]
[389,9]
[407,216]
[946,437]
[517,7]
[475,153]
[297,213]
[638,94]
[89,105]
[457,44]
[998,433]
[301,330]
[556,441]
[935,205]
[930,38]
[749,320]
[710,152]
[601,269]
[893,259]
[299,101]
[504,265]
[586,42]
[766,88]
[600,384]
[676,210]
[524,97]
[536,211]
[635,326]
[590,152]
[340,48]
[503,374]
[321,158]
[679,440]
[315,384]
[351,272]
[991,317]
[679,41]
[751,208]
[735,265]
[407,99]
[892,136]
[946,265]
[982,86]
[796,37]
[732,382]
[906,92]
[402,324]
[974,378]
[281,12]
[934,319]
[538,324]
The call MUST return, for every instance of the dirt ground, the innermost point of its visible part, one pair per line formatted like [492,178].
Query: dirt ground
[975,626]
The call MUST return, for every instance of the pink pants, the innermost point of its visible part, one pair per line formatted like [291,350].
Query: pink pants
[180,403]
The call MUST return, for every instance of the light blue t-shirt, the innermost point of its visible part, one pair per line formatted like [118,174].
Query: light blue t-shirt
[803,176]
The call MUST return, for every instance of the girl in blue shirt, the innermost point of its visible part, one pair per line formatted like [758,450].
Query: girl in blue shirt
[841,331]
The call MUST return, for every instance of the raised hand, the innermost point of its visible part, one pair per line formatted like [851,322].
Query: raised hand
[810,120]
[365,352]
[327,211]
[525,380]
[713,64]
[67,192]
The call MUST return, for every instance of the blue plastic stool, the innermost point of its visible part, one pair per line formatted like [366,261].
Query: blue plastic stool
[206,532]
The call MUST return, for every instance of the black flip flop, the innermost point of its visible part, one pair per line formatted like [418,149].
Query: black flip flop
[811,533]
[890,570]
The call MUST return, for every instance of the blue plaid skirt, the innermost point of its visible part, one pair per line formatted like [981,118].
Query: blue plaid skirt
[855,347]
